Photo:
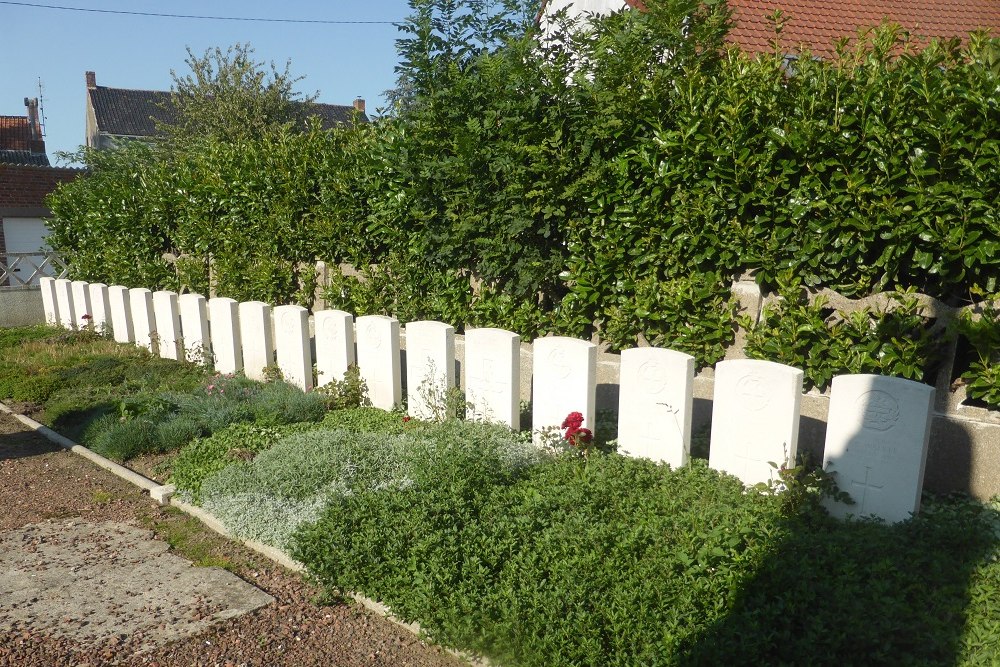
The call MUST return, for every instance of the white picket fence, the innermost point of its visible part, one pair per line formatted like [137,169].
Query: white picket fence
[878,427]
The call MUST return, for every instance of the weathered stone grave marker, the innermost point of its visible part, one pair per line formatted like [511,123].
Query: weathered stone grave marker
[121,314]
[378,359]
[493,376]
[655,404]
[334,345]
[100,307]
[81,304]
[877,437]
[143,320]
[49,305]
[564,380]
[64,303]
[755,418]
[167,314]
[294,353]
[430,367]
[257,338]
[224,326]
[194,328]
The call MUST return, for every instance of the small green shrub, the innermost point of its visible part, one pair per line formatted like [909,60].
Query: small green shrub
[349,392]
[982,333]
[205,456]
[364,420]
[281,403]
[798,333]
[123,440]
[624,562]
[27,385]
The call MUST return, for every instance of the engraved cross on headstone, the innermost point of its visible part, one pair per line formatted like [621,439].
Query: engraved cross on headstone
[866,486]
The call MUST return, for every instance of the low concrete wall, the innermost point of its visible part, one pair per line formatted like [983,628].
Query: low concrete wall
[21,306]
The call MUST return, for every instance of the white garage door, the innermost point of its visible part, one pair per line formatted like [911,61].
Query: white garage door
[26,235]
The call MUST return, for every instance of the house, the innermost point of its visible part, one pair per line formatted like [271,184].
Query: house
[818,24]
[26,178]
[21,140]
[121,113]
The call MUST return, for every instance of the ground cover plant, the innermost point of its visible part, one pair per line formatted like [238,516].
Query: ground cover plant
[289,482]
[615,561]
[123,401]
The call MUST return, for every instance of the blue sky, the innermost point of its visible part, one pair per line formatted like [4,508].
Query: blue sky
[341,62]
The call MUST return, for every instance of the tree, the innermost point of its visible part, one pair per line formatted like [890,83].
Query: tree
[230,96]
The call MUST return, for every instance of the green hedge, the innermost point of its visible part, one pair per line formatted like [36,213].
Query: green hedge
[614,188]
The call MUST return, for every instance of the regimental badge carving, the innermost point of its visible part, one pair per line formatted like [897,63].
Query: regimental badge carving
[373,336]
[289,321]
[652,377]
[557,359]
[331,329]
[879,410]
[752,389]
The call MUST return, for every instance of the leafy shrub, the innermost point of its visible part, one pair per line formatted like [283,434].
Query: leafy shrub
[799,333]
[982,333]
[349,392]
[282,403]
[123,440]
[205,456]
[364,420]
[28,385]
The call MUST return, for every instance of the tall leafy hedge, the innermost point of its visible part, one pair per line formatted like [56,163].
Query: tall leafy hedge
[616,178]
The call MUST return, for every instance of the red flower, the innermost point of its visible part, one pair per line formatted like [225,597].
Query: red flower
[584,435]
[573,421]
[406,419]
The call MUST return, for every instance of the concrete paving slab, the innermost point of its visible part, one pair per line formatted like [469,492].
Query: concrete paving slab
[100,581]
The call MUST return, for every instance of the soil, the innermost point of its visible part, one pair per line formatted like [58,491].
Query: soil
[46,490]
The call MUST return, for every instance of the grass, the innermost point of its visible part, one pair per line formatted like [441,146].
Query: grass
[190,539]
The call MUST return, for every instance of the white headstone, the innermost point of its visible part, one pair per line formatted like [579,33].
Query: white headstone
[49,305]
[121,314]
[227,346]
[755,418]
[493,376]
[194,328]
[257,338]
[877,435]
[334,345]
[143,319]
[378,359]
[100,307]
[64,302]
[654,404]
[291,338]
[430,367]
[168,324]
[81,303]
[564,380]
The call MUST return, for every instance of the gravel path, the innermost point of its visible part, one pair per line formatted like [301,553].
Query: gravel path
[43,484]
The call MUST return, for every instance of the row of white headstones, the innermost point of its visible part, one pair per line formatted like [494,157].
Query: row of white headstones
[878,427]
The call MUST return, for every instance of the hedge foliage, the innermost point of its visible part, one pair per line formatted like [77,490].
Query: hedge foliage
[617,178]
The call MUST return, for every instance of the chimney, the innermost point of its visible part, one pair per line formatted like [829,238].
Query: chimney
[359,104]
[37,141]
[91,80]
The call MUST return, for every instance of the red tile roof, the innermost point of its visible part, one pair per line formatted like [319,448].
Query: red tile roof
[818,24]
[15,133]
